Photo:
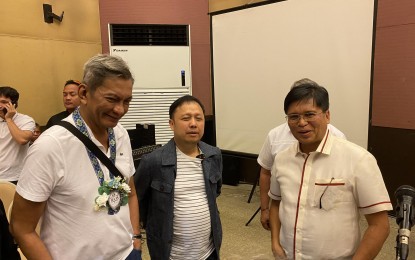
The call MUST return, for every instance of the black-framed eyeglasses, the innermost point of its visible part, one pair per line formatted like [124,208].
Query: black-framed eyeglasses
[321,197]
[308,116]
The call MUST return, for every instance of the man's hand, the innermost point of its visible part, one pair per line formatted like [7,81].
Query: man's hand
[11,110]
[278,252]
[265,218]
[264,184]
[22,137]
[275,225]
[137,244]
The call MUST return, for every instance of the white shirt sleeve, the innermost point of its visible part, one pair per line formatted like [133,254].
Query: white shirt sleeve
[372,195]
[265,158]
[274,189]
[42,169]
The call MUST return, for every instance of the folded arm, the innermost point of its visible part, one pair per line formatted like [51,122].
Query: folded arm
[20,136]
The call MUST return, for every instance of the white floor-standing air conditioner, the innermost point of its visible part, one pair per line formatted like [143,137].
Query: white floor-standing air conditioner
[159,58]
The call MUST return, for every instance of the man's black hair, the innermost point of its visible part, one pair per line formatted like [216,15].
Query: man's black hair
[71,81]
[11,93]
[181,100]
[306,91]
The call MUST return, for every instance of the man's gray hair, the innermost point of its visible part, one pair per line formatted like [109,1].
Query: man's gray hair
[304,81]
[103,66]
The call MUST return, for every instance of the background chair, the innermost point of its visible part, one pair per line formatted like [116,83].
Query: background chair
[7,191]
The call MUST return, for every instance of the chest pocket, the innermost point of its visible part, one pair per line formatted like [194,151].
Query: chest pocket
[214,178]
[123,164]
[329,193]
[213,170]
[162,187]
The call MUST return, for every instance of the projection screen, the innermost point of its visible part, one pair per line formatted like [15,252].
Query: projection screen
[258,52]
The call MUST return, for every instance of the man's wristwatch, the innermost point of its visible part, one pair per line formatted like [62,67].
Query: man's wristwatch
[137,236]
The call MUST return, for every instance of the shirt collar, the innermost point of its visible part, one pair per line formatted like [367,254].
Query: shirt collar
[325,145]
[200,156]
[118,134]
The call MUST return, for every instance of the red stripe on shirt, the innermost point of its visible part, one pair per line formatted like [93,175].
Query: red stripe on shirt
[298,205]
[325,140]
[383,202]
[329,184]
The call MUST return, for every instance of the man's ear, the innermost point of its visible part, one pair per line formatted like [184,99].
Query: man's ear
[171,124]
[328,116]
[82,92]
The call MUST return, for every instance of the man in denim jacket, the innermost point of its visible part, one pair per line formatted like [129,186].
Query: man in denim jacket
[177,187]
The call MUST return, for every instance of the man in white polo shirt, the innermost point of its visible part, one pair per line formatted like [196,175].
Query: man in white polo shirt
[16,131]
[321,184]
[88,211]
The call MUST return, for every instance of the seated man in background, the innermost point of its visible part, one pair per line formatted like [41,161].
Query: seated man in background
[70,101]
[36,133]
[321,185]
[16,130]
[177,187]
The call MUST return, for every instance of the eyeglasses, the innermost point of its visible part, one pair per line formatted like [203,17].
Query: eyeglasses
[309,117]
[321,205]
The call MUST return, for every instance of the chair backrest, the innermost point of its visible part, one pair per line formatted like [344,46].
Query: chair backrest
[6,185]
[7,191]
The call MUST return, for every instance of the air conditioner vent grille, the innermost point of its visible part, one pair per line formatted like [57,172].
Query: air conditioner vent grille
[149,34]
[151,106]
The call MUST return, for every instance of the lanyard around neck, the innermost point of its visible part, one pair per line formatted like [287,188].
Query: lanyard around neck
[81,126]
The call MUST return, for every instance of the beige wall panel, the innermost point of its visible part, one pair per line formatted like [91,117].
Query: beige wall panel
[218,5]
[25,18]
[39,68]
[37,57]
